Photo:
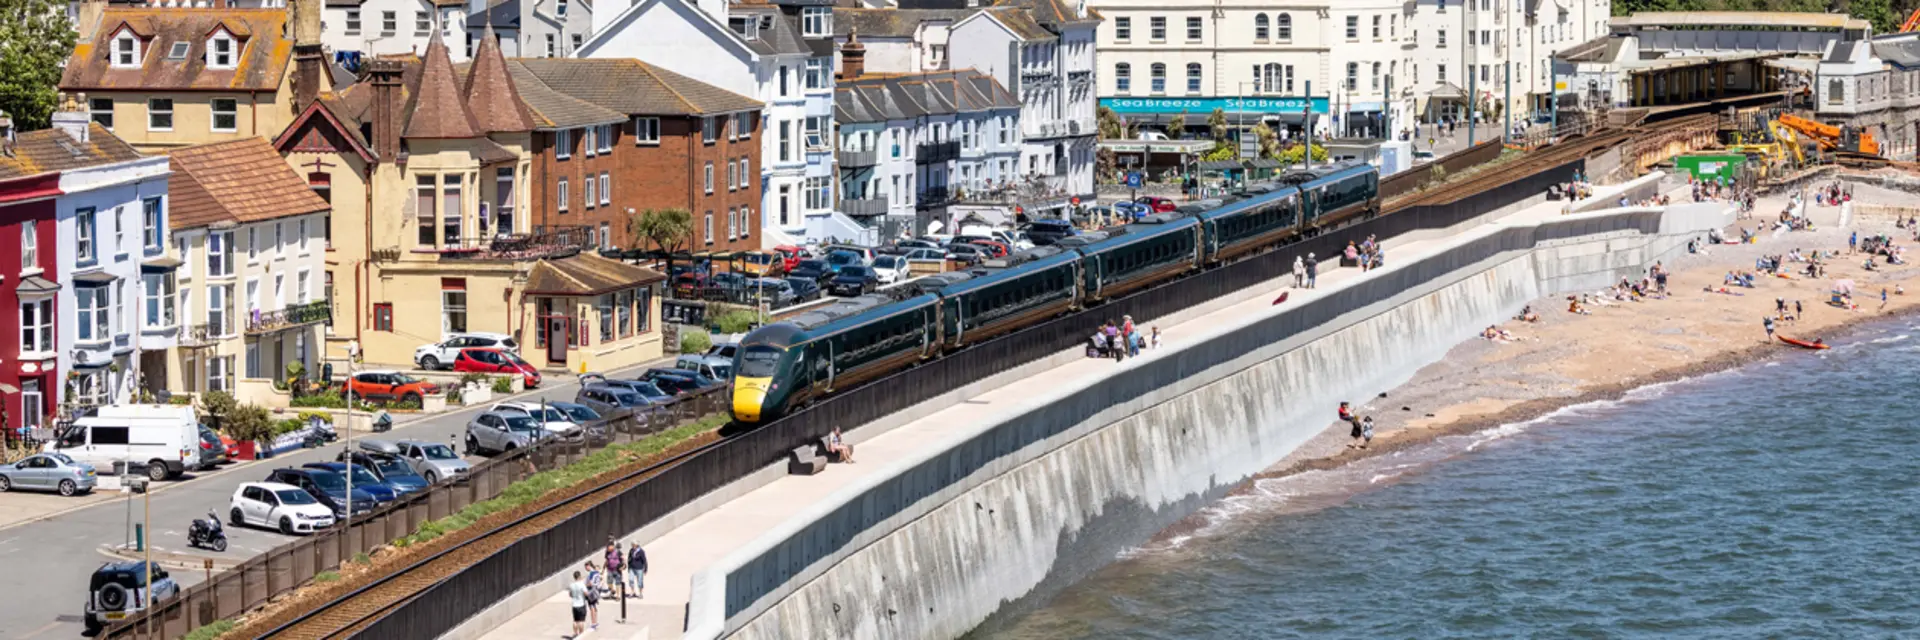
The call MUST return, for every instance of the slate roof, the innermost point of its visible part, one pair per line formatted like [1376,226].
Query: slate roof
[779,33]
[504,14]
[633,87]
[242,180]
[586,274]
[438,108]
[36,152]
[553,110]
[882,97]
[1052,13]
[490,92]
[890,23]
[265,51]
[1900,50]
[1021,22]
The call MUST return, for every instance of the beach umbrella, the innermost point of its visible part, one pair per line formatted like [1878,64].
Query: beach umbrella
[1843,285]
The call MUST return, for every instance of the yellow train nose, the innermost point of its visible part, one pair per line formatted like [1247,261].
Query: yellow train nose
[748,396]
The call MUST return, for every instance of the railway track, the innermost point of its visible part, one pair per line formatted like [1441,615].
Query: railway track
[348,614]
[1557,153]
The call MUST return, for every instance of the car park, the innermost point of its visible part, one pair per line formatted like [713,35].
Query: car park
[853,281]
[326,486]
[278,506]
[166,438]
[502,431]
[889,269]
[48,472]
[388,385]
[441,354]
[814,269]
[120,590]
[555,421]
[362,479]
[496,361]
[804,289]
[433,460]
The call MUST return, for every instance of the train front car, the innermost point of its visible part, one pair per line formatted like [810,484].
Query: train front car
[764,372]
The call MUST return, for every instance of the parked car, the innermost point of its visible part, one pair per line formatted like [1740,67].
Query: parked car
[326,486]
[713,367]
[165,437]
[918,243]
[213,451]
[1130,211]
[814,269]
[840,260]
[755,263]
[48,472]
[804,289]
[866,254]
[728,286]
[384,460]
[608,399]
[994,248]
[277,505]
[790,256]
[432,460]
[889,269]
[363,480]
[496,361]
[775,292]
[578,413]
[502,431]
[966,254]
[436,356]
[678,381]
[690,285]
[723,350]
[935,255]
[853,281]
[555,421]
[1047,231]
[388,385]
[120,590]
[649,391]
[1157,204]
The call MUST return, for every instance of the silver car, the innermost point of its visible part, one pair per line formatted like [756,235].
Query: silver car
[502,431]
[48,472]
[433,460]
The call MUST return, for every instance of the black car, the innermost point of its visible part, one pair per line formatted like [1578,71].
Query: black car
[813,269]
[853,281]
[966,253]
[326,486]
[804,289]
[676,381]
[1048,231]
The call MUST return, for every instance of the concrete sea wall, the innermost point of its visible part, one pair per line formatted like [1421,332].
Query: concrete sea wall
[1002,516]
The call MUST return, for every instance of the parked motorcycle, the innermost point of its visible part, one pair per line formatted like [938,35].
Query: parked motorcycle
[208,534]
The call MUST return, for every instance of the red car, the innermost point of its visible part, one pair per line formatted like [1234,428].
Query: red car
[496,361]
[790,257]
[994,249]
[1157,203]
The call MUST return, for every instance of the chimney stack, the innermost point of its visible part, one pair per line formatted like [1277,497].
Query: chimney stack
[309,60]
[853,57]
[73,121]
[387,119]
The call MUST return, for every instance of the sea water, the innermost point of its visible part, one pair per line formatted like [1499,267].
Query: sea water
[1778,500]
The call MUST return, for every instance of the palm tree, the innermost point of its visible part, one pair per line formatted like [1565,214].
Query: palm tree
[669,230]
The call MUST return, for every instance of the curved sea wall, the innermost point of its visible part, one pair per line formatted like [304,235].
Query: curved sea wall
[1001,516]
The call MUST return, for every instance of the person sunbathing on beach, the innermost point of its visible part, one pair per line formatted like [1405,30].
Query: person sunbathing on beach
[1527,315]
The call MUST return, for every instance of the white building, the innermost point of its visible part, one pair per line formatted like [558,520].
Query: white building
[352,30]
[779,54]
[922,148]
[535,28]
[109,215]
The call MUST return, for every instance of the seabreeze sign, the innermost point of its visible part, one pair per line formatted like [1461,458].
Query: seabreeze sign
[1203,106]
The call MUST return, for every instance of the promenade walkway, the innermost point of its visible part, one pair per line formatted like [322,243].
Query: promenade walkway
[677,555]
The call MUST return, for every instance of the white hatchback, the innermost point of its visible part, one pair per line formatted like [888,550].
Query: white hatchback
[274,505]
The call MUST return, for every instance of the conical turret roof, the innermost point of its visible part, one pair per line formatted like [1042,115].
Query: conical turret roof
[491,96]
[439,111]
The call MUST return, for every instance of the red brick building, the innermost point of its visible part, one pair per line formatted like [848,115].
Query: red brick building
[614,138]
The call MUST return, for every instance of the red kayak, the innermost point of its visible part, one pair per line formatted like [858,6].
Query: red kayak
[1802,343]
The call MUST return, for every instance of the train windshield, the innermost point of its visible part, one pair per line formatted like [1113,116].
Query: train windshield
[759,362]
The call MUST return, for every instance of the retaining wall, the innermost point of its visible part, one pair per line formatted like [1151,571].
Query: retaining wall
[1002,516]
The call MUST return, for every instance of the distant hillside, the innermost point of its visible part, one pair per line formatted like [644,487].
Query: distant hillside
[1885,15]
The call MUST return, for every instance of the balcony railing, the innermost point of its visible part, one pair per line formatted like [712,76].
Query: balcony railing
[520,246]
[934,197]
[205,334]
[932,152]
[290,317]
[864,207]
[858,159]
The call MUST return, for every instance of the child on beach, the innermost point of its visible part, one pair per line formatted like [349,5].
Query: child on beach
[1366,432]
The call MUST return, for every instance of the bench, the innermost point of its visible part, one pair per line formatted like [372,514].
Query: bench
[804,461]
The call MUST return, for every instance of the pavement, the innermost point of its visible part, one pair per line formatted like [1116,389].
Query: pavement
[677,555]
[53,544]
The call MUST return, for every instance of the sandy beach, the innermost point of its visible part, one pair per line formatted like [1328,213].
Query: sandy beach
[1567,358]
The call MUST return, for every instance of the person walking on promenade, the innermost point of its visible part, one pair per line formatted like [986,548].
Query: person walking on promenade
[1299,272]
[577,594]
[637,565]
[1346,415]
[1313,271]
[616,578]
[1768,323]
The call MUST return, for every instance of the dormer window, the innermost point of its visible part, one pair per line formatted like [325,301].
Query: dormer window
[126,50]
[748,28]
[816,22]
[222,51]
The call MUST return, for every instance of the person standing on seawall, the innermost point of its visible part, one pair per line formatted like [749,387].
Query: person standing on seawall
[1299,272]
[1313,271]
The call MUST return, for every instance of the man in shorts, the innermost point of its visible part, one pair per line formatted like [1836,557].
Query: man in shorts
[577,593]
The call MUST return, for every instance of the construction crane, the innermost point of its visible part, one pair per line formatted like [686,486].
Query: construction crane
[1832,138]
[1912,24]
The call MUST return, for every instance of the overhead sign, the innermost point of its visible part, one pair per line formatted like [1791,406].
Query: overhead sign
[1203,106]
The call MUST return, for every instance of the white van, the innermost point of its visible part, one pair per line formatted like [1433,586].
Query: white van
[164,437]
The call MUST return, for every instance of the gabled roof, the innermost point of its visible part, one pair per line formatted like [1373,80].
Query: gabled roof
[439,110]
[48,150]
[553,110]
[586,274]
[633,87]
[265,51]
[490,93]
[779,33]
[242,180]
[500,14]
[882,97]
[1019,21]
[321,119]
[1053,13]
[890,23]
